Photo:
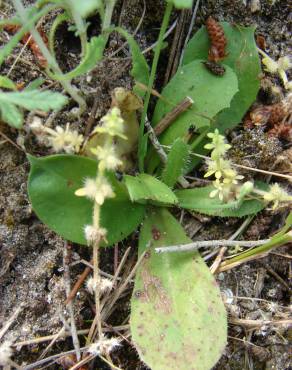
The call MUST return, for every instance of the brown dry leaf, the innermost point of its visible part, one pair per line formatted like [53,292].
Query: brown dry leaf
[128,103]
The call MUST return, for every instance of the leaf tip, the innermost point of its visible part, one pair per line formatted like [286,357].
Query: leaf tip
[32,159]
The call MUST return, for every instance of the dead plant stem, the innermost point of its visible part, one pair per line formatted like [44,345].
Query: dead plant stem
[123,286]
[66,263]
[78,283]
[210,243]
[167,120]
[11,320]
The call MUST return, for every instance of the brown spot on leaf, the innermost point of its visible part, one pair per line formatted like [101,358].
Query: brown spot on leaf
[156,234]
[172,355]
[139,294]
[210,309]
[155,293]
[147,254]
[70,183]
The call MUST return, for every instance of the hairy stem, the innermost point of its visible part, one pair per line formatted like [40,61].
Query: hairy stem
[80,25]
[108,12]
[96,275]
[50,59]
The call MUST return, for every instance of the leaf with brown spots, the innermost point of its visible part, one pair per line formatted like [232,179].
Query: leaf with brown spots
[178,320]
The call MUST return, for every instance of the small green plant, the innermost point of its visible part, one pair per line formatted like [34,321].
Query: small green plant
[175,299]
[174,294]
[74,14]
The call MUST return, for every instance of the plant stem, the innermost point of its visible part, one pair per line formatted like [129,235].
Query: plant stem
[96,278]
[50,59]
[210,243]
[80,25]
[96,275]
[107,16]
[6,51]
[73,329]
[272,243]
[101,10]
[157,51]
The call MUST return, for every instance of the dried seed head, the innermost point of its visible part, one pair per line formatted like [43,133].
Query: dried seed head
[215,68]
[282,131]
[5,353]
[105,285]
[278,113]
[104,345]
[217,39]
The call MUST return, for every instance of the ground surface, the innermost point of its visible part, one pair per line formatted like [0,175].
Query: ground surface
[31,269]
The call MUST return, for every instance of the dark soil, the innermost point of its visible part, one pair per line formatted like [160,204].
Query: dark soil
[31,259]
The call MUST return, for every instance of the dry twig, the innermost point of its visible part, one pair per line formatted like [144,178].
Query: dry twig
[66,263]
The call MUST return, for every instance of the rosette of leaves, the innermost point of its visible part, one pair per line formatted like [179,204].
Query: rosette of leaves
[175,293]
[178,320]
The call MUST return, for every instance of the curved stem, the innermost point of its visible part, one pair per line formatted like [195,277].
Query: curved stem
[157,51]
[50,59]
[80,25]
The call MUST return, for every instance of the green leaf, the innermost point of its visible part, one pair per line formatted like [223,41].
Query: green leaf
[140,68]
[243,58]
[285,228]
[182,4]
[11,115]
[35,84]
[85,8]
[176,162]
[34,99]
[61,18]
[28,99]
[210,94]
[198,199]
[195,81]
[52,184]
[178,320]
[6,83]
[94,53]
[145,187]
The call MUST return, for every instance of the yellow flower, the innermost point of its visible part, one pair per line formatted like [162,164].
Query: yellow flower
[93,234]
[107,157]
[280,66]
[222,190]
[97,190]
[112,124]
[271,65]
[218,145]
[284,63]
[89,190]
[231,177]
[217,167]
[277,195]
[64,139]
[104,190]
